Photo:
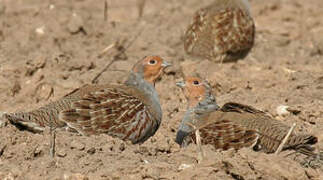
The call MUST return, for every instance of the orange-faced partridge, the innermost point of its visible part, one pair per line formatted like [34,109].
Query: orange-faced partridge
[222,31]
[233,125]
[130,111]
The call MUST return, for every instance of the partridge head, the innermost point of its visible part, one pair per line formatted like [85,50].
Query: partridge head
[222,31]
[196,90]
[150,68]
[235,125]
[130,111]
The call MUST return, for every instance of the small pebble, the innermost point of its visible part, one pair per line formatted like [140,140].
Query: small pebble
[122,147]
[75,24]
[61,153]
[37,151]
[92,150]
[184,166]
[76,176]
[51,6]
[282,110]
[77,145]
[40,30]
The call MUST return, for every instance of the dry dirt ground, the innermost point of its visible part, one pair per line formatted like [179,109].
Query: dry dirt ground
[48,48]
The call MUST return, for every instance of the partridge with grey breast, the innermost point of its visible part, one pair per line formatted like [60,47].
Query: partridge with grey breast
[129,111]
[233,125]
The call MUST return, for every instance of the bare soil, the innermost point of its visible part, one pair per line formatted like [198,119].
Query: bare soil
[48,48]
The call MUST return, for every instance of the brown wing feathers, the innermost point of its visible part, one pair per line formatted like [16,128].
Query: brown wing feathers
[224,134]
[103,111]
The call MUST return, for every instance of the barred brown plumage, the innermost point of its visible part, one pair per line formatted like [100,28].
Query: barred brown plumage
[233,125]
[222,31]
[130,111]
[119,111]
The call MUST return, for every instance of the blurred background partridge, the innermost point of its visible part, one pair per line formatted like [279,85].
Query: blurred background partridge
[222,31]
[233,125]
[130,111]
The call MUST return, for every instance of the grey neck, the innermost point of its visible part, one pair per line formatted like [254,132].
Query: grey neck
[209,102]
[206,106]
[137,81]
[246,5]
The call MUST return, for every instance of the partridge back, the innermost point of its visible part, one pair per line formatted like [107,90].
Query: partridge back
[222,31]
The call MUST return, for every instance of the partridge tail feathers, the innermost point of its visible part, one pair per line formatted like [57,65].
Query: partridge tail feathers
[302,144]
[24,120]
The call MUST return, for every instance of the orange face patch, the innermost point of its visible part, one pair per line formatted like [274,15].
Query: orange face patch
[194,90]
[151,67]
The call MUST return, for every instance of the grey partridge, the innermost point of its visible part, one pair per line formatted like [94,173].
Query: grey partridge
[130,111]
[233,125]
[222,31]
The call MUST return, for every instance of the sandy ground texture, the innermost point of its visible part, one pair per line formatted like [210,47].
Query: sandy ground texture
[48,48]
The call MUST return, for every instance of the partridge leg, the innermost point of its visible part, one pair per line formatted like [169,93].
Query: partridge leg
[52,144]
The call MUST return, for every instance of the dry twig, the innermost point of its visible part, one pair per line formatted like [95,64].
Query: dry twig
[141,5]
[200,154]
[105,50]
[105,12]
[121,50]
[280,147]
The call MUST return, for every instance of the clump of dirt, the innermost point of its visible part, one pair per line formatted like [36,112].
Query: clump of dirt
[48,48]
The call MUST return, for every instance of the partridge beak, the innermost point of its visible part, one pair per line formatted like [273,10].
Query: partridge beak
[180,84]
[165,64]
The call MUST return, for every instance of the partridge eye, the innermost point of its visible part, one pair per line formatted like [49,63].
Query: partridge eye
[152,61]
[196,82]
